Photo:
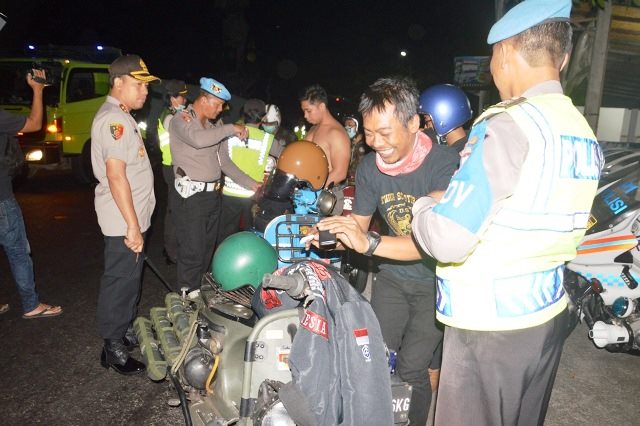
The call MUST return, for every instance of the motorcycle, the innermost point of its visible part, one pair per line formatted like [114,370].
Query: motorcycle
[602,281]
[231,356]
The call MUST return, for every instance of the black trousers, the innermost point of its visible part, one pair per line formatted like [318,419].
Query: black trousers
[196,220]
[234,209]
[406,313]
[170,239]
[499,377]
[119,288]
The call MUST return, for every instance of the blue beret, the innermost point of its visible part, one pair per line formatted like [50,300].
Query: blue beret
[214,87]
[528,14]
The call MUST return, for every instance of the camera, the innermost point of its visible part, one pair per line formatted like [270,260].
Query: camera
[48,80]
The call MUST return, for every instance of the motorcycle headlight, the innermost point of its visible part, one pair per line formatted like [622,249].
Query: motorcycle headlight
[277,416]
[623,307]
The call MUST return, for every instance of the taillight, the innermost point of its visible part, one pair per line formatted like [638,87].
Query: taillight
[55,126]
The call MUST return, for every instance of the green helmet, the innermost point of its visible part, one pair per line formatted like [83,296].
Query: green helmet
[242,259]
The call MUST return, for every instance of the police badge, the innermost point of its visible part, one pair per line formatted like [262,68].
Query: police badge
[117,130]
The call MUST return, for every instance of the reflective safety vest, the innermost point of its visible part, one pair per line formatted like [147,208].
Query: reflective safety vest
[251,157]
[513,277]
[163,137]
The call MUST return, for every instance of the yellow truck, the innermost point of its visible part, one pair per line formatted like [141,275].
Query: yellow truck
[79,84]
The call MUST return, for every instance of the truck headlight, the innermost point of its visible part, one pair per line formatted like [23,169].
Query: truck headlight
[34,155]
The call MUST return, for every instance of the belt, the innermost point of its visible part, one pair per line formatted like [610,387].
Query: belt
[209,186]
[187,187]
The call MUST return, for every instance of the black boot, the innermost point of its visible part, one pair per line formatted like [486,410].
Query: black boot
[130,338]
[115,355]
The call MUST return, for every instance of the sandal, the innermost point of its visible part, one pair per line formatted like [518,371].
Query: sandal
[4,308]
[44,312]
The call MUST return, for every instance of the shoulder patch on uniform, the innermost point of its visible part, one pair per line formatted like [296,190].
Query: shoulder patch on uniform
[117,130]
[499,108]
[185,116]
[511,102]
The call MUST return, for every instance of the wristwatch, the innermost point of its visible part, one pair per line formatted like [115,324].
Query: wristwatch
[374,239]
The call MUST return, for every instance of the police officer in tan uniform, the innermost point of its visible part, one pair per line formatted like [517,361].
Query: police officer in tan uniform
[124,202]
[195,143]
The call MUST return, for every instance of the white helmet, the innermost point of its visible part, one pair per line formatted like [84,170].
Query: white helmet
[272,114]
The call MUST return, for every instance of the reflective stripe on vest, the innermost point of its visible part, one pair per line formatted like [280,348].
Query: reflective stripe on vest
[250,157]
[513,277]
[513,296]
[163,137]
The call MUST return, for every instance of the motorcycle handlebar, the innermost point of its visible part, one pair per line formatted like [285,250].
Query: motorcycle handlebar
[295,285]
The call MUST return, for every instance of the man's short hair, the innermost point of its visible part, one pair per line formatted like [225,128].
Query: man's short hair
[314,94]
[546,43]
[400,92]
[203,94]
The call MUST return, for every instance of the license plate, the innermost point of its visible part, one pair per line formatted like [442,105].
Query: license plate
[401,400]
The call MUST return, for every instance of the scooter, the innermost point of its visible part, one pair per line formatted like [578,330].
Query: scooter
[602,281]
[229,364]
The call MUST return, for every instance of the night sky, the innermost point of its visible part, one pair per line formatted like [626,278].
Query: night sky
[268,49]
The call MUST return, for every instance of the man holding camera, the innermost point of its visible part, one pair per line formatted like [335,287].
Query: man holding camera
[13,236]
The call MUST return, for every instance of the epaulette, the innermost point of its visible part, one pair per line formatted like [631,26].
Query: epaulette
[124,108]
[499,108]
[186,116]
[511,102]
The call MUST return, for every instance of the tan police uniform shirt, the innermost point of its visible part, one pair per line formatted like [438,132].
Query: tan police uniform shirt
[115,135]
[194,147]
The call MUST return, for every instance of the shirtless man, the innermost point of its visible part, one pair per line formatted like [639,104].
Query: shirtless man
[326,132]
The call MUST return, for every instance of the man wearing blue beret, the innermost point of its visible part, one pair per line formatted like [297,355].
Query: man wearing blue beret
[195,141]
[511,217]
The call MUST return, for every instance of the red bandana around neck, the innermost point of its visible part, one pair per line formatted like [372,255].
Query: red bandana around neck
[421,147]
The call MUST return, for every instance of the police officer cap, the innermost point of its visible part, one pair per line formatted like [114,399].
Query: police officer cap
[254,107]
[175,88]
[133,66]
[528,14]
[215,88]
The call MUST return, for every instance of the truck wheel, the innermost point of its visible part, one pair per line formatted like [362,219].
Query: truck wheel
[81,165]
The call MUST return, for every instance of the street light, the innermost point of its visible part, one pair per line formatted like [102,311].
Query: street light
[403,53]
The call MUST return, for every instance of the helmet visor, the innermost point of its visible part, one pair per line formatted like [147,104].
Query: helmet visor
[280,185]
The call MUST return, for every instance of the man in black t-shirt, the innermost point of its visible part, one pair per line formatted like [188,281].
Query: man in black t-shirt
[404,165]
[13,236]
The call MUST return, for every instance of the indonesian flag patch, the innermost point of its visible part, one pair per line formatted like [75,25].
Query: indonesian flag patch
[117,130]
[362,340]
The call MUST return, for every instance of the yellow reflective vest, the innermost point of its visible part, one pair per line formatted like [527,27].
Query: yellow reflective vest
[251,157]
[513,277]
[163,137]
